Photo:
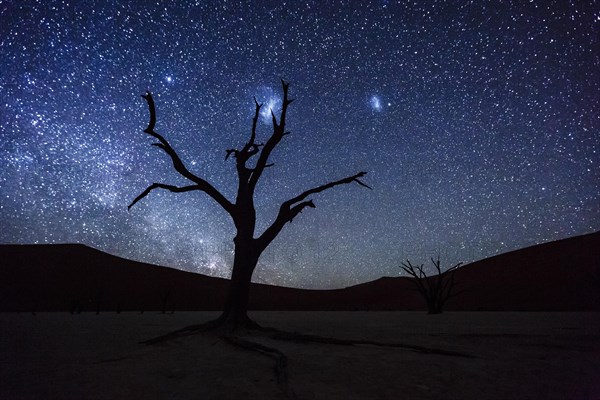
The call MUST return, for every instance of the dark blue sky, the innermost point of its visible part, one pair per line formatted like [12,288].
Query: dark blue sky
[478,124]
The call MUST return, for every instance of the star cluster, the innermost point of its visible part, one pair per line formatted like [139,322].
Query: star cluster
[478,123]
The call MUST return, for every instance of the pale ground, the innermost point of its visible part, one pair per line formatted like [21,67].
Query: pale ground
[87,356]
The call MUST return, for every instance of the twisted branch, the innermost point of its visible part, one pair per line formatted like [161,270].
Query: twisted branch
[278,133]
[318,189]
[200,184]
[174,189]
[294,206]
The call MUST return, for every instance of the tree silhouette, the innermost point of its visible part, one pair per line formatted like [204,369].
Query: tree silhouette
[436,290]
[247,247]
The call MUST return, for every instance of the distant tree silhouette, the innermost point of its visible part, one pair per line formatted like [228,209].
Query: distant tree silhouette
[436,290]
[165,296]
[247,246]
[76,306]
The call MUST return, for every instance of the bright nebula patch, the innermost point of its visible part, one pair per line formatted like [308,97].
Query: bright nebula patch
[271,105]
[375,103]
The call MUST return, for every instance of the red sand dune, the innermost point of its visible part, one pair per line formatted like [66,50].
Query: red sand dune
[557,276]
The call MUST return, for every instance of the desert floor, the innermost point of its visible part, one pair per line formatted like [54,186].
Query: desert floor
[512,356]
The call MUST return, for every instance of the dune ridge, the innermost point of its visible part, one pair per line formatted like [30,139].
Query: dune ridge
[557,276]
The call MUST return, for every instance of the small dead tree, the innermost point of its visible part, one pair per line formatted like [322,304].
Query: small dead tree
[165,296]
[436,290]
[248,246]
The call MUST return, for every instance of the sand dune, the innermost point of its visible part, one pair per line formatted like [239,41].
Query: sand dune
[455,355]
[557,276]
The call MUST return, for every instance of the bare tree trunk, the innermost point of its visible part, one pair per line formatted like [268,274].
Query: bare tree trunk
[432,307]
[235,313]
[247,248]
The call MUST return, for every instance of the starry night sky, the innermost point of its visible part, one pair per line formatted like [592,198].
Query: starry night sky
[478,124]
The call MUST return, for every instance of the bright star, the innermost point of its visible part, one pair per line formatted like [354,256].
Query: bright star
[169,79]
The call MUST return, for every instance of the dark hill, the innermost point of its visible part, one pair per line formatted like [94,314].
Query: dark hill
[561,275]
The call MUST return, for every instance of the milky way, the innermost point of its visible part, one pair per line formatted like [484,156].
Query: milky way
[478,124]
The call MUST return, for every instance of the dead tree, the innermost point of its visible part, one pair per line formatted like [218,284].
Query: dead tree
[251,161]
[436,290]
[165,296]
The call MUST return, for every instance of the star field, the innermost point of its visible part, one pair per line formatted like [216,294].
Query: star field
[478,124]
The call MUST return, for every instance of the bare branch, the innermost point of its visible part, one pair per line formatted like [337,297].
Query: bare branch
[286,102]
[274,120]
[291,208]
[229,152]
[363,184]
[278,133]
[251,147]
[437,265]
[318,189]
[163,143]
[436,290]
[449,283]
[266,166]
[172,188]
[179,166]
[416,278]
[257,107]
[152,108]
[297,209]
[409,269]
[242,156]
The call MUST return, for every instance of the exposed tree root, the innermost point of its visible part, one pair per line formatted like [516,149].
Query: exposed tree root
[303,338]
[224,333]
[272,333]
[219,326]
[187,331]
[280,358]
[280,367]
[233,335]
